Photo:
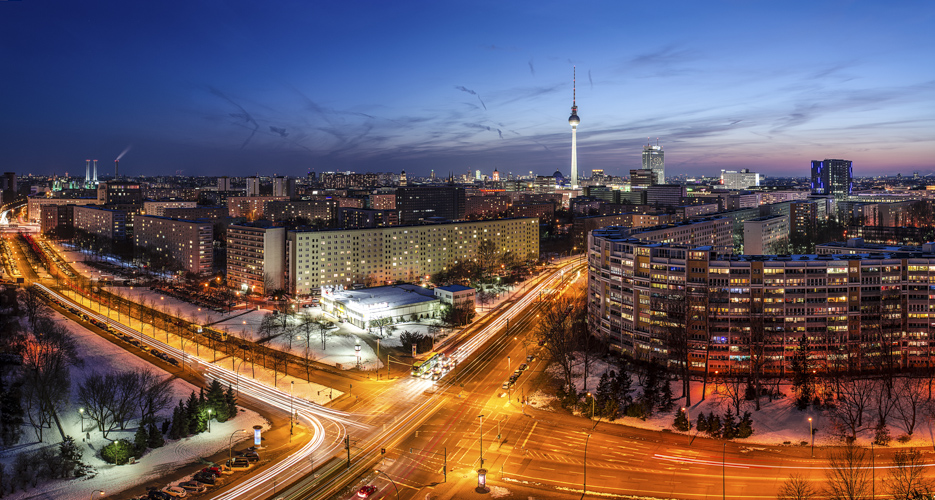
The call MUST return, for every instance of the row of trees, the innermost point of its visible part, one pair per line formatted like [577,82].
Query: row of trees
[850,476]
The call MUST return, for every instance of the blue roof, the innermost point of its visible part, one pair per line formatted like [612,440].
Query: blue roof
[454,288]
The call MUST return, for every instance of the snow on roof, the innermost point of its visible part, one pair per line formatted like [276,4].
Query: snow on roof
[392,296]
[455,288]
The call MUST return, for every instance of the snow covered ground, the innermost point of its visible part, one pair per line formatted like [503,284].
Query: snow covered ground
[102,356]
[778,422]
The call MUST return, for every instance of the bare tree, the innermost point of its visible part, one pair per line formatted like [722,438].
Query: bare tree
[911,401]
[48,354]
[280,361]
[854,398]
[671,325]
[562,327]
[96,396]
[154,395]
[797,488]
[734,386]
[384,325]
[848,473]
[32,303]
[908,478]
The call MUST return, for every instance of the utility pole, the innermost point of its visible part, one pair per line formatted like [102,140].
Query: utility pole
[445,466]
[347,446]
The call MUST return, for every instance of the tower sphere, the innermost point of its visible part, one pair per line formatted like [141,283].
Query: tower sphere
[573,120]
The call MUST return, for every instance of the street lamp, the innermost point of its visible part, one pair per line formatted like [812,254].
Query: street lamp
[230,443]
[291,408]
[391,480]
[95,491]
[357,350]
[811,431]
[592,410]
[481,427]
[81,412]
[584,481]
[209,419]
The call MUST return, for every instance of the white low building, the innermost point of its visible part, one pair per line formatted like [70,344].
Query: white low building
[455,295]
[360,307]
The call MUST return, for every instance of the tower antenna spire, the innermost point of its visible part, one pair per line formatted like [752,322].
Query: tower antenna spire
[574,85]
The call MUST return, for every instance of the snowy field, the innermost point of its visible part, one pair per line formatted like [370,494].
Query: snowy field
[778,422]
[101,355]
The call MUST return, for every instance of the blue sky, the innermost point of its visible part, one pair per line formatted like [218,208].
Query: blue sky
[284,87]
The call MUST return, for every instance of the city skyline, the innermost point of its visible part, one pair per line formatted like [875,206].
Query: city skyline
[235,89]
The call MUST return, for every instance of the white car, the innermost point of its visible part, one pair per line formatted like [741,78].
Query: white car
[175,491]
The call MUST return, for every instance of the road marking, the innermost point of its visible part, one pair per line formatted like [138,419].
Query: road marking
[530,434]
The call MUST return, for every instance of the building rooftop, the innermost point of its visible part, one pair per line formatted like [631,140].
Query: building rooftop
[454,288]
[391,296]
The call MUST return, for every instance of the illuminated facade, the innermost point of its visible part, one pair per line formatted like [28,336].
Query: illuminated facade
[398,253]
[190,243]
[858,312]
[255,257]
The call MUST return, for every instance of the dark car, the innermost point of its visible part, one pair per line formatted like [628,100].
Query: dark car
[251,456]
[173,361]
[214,471]
[205,477]
[158,495]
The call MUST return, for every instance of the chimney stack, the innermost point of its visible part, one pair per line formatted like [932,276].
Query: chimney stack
[87,171]
[94,180]
[116,169]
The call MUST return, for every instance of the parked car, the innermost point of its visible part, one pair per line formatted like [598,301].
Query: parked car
[175,491]
[507,384]
[205,478]
[173,361]
[251,456]
[530,358]
[158,495]
[366,491]
[212,470]
[523,367]
[238,464]
[193,486]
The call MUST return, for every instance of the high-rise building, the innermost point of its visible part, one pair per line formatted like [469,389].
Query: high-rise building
[654,159]
[832,177]
[496,175]
[189,242]
[420,203]
[732,179]
[573,120]
[642,177]
[224,183]
[253,186]
[255,257]
[766,235]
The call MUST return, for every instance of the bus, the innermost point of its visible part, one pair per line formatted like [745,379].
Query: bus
[425,367]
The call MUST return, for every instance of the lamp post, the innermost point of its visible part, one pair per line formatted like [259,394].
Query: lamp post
[811,431]
[96,491]
[210,411]
[584,481]
[291,408]
[230,443]
[481,427]
[391,480]
[81,412]
[357,350]
[723,475]
[592,410]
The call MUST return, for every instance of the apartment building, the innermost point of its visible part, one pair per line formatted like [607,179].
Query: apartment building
[107,223]
[159,207]
[35,204]
[398,253]
[256,257]
[320,208]
[766,235]
[250,207]
[190,243]
[847,306]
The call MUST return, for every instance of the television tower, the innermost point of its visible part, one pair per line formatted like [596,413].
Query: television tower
[573,120]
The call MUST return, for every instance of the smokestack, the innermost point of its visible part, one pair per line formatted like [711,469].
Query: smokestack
[116,169]
[94,180]
[87,171]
